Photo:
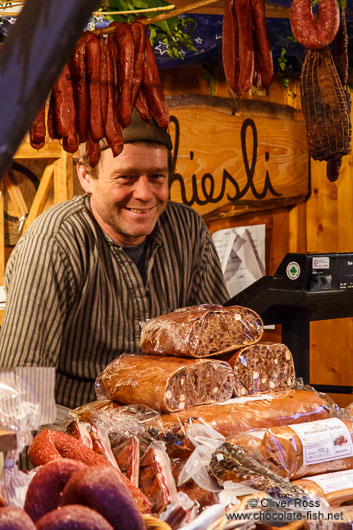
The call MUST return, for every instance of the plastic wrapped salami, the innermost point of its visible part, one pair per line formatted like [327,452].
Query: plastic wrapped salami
[254,412]
[201,331]
[262,367]
[166,383]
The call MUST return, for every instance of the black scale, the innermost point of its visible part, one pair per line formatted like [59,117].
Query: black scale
[305,288]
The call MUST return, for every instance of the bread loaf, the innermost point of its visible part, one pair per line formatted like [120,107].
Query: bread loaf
[201,331]
[283,447]
[336,488]
[262,367]
[167,383]
[243,414]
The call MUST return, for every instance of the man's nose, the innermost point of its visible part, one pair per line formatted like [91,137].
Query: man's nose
[143,189]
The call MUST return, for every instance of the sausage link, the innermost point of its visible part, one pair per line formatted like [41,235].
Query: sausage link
[125,41]
[79,83]
[37,130]
[142,107]
[113,47]
[93,79]
[262,43]
[112,128]
[51,124]
[65,111]
[246,45]
[103,73]
[230,45]
[93,151]
[310,33]
[139,35]
[153,88]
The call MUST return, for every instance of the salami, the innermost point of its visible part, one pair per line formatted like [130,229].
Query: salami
[263,51]
[230,45]
[79,83]
[112,128]
[125,41]
[65,111]
[246,45]
[310,33]
[139,35]
[37,130]
[93,79]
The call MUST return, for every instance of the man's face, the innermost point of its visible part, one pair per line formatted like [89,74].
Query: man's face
[131,191]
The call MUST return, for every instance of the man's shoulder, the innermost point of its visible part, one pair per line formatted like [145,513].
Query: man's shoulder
[182,211]
[52,220]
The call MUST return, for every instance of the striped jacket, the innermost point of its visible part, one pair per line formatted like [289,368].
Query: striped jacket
[75,300]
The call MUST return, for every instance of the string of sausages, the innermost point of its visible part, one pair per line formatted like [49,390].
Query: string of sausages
[246,50]
[95,93]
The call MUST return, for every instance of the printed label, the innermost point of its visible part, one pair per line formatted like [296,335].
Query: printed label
[322,262]
[324,440]
[245,399]
[330,482]
[293,270]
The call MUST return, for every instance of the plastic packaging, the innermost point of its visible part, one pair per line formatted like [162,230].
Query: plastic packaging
[26,401]
[201,331]
[166,383]
[336,487]
[262,367]
[253,412]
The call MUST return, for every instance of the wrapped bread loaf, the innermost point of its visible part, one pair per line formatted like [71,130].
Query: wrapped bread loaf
[201,331]
[242,414]
[336,488]
[309,449]
[262,367]
[167,383]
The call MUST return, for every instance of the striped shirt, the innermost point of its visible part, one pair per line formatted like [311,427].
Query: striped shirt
[75,300]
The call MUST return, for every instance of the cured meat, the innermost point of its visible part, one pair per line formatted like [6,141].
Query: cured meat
[37,130]
[65,111]
[125,41]
[326,110]
[153,88]
[93,79]
[93,151]
[142,107]
[200,331]
[103,79]
[262,367]
[111,126]
[50,478]
[167,384]
[139,35]
[128,458]
[80,431]
[310,33]
[12,518]
[101,489]
[246,45]
[51,123]
[240,415]
[74,517]
[156,479]
[79,83]
[101,443]
[263,53]
[230,45]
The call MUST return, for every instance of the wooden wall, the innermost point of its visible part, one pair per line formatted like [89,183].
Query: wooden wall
[324,223]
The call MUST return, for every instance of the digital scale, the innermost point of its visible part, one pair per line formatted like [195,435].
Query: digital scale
[304,288]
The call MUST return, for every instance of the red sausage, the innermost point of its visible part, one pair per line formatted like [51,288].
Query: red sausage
[65,111]
[142,107]
[230,45]
[93,79]
[113,47]
[93,151]
[44,490]
[262,43]
[246,45]
[139,35]
[111,127]
[125,41]
[37,130]
[73,517]
[15,519]
[153,88]
[51,124]
[310,33]
[103,78]
[79,83]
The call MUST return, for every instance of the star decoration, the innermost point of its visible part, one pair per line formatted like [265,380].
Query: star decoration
[162,47]
[198,40]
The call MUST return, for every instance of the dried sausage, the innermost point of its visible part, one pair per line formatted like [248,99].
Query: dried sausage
[12,518]
[262,43]
[142,107]
[111,126]
[153,88]
[246,45]
[310,33]
[230,45]
[92,150]
[65,111]
[126,59]
[74,517]
[103,72]
[37,130]
[79,83]
[93,79]
[51,124]
[139,35]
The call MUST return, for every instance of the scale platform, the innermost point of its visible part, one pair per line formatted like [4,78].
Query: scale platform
[304,288]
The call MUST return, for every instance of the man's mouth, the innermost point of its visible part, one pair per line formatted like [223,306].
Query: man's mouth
[140,211]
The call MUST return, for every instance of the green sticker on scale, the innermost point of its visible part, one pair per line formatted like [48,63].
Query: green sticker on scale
[293,270]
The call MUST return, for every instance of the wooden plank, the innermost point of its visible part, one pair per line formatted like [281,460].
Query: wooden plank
[41,195]
[18,202]
[51,149]
[63,178]
[8,441]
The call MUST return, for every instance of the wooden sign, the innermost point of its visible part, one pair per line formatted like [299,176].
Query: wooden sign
[233,157]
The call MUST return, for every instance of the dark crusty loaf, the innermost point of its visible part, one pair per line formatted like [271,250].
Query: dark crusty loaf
[200,331]
[167,383]
[262,367]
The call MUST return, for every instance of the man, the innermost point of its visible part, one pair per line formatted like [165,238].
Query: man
[90,271]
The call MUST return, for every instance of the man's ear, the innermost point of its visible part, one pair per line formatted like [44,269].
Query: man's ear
[84,176]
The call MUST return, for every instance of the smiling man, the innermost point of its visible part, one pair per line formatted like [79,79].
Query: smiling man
[89,271]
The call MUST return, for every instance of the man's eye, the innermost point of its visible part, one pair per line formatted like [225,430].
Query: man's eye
[158,177]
